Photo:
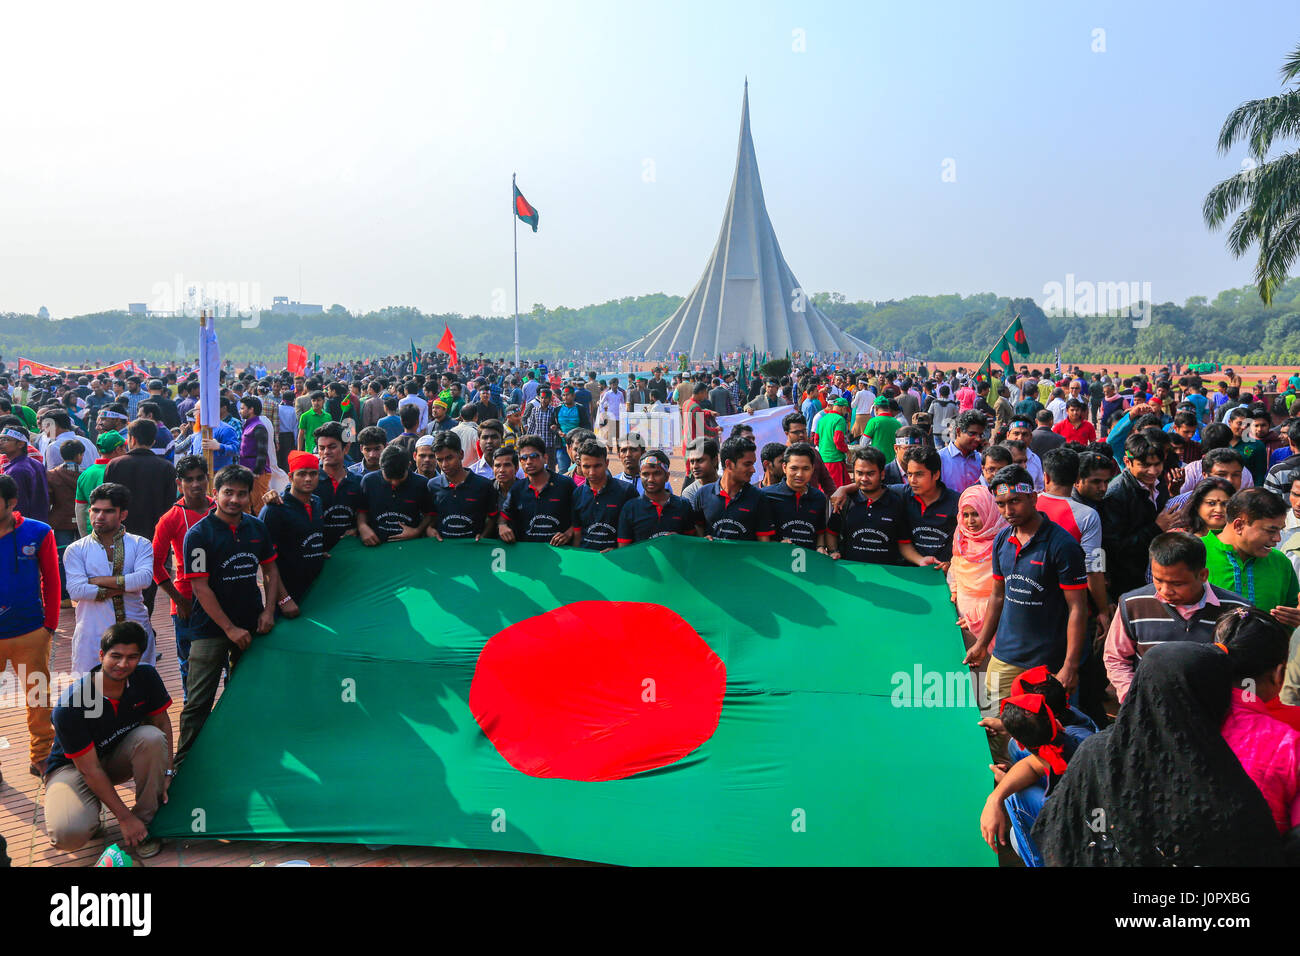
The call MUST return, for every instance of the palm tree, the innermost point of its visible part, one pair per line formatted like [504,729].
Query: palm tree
[1268,193]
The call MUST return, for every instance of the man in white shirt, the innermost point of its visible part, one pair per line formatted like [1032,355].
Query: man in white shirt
[56,428]
[1057,406]
[611,405]
[467,432]
[412,398]
[107,571]
[862,401]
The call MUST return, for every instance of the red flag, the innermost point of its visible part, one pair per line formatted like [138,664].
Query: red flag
[448,344]
[297,363]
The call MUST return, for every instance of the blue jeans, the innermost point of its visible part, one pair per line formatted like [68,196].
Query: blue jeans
[564,462]
[184,635]
[1023,809]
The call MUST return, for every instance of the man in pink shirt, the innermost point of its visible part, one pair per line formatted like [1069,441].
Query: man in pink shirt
[1178,605]
[965,397]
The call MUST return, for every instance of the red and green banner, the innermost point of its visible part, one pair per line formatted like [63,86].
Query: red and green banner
[985,371]
[677,702]
[1015,334]
[524,210]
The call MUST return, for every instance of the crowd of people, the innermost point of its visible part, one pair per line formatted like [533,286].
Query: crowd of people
[1121,553]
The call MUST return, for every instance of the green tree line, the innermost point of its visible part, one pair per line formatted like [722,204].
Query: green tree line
[1234,327]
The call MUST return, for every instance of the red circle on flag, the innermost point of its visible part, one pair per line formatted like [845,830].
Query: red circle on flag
[597,690]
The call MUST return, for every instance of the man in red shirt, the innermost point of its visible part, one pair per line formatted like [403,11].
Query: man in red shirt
[169,539]
[1076,426]
[697,421]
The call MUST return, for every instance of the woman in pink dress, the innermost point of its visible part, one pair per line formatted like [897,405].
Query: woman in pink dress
[1268,749]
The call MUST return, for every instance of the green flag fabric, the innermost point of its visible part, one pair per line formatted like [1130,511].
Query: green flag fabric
[676,702]
[985,372]
[1015,334]
[1004,354]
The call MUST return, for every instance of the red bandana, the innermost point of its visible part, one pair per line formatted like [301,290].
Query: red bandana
[1050,753]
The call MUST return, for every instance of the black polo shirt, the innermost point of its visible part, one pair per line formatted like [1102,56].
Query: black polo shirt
[387,508]
[228,558]
[1035,577]
[83,720]
[339,505]
[931,526]
[597,515]
[871,531]
[461,511]
[298,532]
[746,517]
[799,518]
[538,517]
[641,519]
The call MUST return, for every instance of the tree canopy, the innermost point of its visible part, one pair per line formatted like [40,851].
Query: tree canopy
[1235,326]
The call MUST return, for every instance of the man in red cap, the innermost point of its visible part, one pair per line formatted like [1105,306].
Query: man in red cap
[297,526]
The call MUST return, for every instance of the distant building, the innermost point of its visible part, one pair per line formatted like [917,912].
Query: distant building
[44,313]
[137,308]
[280,305]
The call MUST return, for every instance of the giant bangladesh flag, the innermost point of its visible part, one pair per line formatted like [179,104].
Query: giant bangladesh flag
[674,702]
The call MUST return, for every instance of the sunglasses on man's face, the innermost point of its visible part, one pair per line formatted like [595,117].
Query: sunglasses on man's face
[529,457]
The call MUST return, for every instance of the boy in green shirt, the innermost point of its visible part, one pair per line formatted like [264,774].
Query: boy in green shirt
[1242,557]
[833,439]
[310,420]
[882,427]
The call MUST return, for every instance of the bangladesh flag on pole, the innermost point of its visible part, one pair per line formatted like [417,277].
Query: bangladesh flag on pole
[1015,334]
[677,702]
[1003,352]
[524,210]
[985,371]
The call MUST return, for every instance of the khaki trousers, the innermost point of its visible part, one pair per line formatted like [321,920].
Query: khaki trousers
[30,655]
[71,807]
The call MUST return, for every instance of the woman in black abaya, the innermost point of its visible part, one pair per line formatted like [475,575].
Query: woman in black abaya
[1161,787]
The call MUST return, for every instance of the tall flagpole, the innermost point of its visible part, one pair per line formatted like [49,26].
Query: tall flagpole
[514,218]
[205,428]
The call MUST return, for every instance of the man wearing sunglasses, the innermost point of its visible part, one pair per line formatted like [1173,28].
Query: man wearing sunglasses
[540,507]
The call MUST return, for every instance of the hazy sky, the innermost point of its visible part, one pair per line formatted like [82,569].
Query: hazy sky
[371,145]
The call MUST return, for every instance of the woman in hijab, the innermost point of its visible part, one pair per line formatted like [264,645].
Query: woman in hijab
[1161,787]
[970,575]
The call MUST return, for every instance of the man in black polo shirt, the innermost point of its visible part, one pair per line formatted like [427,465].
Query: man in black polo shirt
[97,747]
[657,511]
[505,478]
[630,449]
[798,510]
[222,555]
[338,489]
[731,509]
[872,525]
[297,528]
[931,506]
[395,503]
[463,503]
[599,500]
[540,509]
[1039,607]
